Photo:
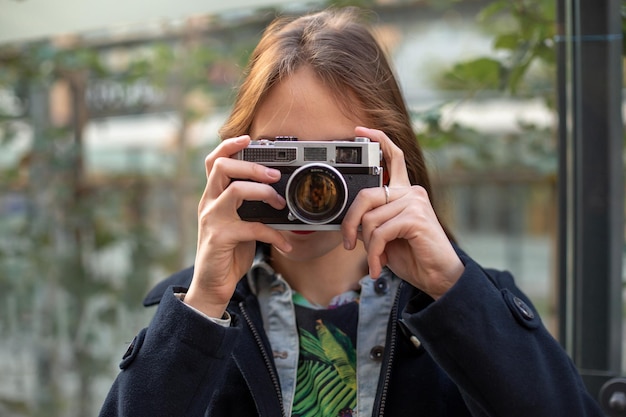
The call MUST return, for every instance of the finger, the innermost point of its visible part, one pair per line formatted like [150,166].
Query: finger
[379,238]
[366,200]
[226,169]
[373,219]
[371,225]
[226,205]
[240,231]
[392,154]
[240,191]
[225,149]
[376,265]
[255,231]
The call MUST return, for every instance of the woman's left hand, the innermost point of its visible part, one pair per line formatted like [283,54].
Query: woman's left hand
[403,232]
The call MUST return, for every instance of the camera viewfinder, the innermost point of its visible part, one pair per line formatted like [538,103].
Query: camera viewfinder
[347,155]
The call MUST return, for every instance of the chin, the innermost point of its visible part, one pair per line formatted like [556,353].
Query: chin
[312,245]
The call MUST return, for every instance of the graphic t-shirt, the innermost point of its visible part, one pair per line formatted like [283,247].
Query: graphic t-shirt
[326,380]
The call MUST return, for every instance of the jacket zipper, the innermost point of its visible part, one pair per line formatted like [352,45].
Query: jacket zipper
[392,349]
[266,357]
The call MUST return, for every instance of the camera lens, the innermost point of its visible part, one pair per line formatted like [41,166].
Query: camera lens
[316,193]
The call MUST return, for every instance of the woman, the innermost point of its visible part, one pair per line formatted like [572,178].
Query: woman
[383,317]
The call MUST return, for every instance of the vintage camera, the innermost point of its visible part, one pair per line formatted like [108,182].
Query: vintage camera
[319,181]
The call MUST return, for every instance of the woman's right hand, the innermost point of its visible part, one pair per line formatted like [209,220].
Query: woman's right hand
[226,244]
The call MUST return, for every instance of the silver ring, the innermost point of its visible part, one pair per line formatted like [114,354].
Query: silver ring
[386,194]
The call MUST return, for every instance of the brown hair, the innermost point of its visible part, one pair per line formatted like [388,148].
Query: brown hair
[342,50]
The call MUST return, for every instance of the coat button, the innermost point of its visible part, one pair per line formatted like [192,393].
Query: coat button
[381,286]
[409,335]
[523,308]
[376,353]
[522,311]
[416,342]
[133,349]
[130,349]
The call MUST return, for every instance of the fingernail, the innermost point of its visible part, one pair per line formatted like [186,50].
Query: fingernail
[347,244]
[241,139]
[272,173]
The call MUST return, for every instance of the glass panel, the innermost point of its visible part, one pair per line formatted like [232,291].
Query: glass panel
[480,79]
[104,135]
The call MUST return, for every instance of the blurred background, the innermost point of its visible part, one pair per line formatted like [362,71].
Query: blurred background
[106,117]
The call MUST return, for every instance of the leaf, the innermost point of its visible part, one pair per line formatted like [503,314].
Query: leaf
[336,353]
[516,76]
[310,346]
[480,73]
[492,9]
[508,41]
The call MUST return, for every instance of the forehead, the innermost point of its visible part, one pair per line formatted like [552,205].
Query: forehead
[302,105]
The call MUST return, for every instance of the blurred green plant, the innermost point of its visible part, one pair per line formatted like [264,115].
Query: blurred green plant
[522,66]
[77,251]
[523,40]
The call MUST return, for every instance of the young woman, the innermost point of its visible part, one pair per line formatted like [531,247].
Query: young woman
[383,317]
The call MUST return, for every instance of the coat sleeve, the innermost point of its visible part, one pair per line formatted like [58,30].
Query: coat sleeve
[489,339]
[173,366]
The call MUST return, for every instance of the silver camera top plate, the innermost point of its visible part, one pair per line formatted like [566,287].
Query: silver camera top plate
[360,152]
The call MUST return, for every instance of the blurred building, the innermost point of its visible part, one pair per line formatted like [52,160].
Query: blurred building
[142,138]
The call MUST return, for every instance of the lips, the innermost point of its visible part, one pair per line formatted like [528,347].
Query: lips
[303,232]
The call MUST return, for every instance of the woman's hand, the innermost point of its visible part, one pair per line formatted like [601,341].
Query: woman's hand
[226,244]
[403,233]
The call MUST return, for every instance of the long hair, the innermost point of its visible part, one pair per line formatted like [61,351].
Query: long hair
[340,47]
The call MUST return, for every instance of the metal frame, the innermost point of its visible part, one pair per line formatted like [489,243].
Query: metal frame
[591,186]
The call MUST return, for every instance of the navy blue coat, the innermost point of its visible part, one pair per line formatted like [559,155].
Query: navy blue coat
[480,350]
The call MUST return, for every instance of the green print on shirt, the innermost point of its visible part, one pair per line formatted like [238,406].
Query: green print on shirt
[326,383]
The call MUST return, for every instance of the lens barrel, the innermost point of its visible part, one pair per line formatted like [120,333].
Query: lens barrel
[316,193]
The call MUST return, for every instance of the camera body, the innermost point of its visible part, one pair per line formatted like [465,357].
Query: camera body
[319,181]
